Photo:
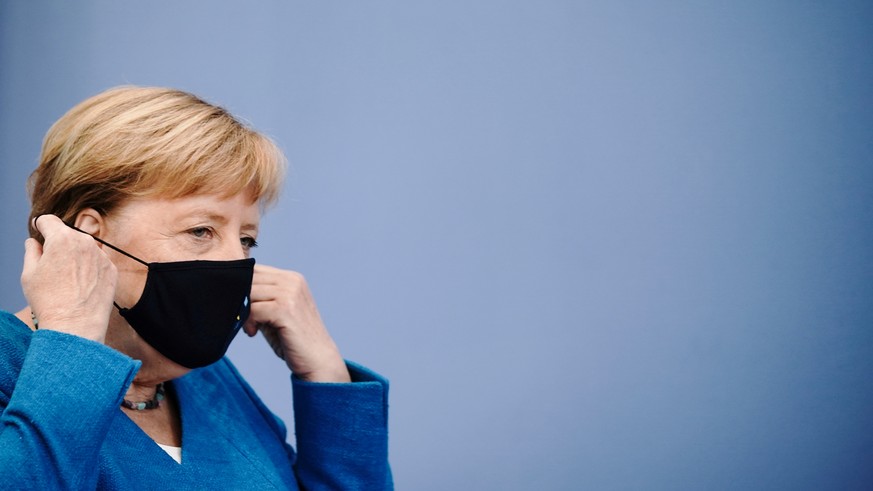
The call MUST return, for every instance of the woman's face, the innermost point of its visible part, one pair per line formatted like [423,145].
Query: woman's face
[201,227]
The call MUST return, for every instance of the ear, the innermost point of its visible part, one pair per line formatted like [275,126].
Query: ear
[91,221]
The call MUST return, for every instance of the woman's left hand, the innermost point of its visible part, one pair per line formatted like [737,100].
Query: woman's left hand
[284,311]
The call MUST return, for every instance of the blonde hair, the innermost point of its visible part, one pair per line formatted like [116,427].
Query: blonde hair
[132,142]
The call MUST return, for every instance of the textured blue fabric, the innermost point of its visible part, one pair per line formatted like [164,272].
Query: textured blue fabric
[62,427]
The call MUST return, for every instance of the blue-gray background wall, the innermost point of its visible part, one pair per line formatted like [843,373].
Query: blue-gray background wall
[594,245]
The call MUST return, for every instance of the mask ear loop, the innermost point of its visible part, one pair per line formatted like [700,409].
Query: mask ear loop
[107,244]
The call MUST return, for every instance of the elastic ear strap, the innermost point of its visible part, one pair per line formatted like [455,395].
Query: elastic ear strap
[107,244]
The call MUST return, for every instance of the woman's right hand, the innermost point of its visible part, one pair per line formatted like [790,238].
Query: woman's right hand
[69,282]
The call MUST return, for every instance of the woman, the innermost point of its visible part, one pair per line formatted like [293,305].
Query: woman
[145,208]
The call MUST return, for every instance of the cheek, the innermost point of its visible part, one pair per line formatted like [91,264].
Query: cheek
[130,286]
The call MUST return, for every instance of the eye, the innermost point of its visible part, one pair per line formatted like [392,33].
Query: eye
[248,242]
[201,232]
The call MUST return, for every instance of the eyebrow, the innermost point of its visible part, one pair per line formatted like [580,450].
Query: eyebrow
[216,217]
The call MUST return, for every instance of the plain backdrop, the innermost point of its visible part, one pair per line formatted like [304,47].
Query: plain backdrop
[593,244]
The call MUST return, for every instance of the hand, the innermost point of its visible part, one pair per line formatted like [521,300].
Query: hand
[69,282]
[284,311]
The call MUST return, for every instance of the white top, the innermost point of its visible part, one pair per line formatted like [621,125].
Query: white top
[175,452]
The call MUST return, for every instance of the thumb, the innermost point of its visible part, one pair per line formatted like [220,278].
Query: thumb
[250,327]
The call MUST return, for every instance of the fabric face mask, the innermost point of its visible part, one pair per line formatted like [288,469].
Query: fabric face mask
[190,311]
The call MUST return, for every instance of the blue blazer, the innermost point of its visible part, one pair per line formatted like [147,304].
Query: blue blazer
[62,427]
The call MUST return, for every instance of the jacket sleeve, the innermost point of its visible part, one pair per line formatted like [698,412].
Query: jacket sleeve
[341,430]
[342,433]
[54,422]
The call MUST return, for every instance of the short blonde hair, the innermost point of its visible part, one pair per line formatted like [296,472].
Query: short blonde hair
[131,142]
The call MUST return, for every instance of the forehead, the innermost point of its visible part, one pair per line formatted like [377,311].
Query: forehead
[237,209]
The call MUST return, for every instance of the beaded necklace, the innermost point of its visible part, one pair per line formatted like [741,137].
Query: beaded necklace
[152,404]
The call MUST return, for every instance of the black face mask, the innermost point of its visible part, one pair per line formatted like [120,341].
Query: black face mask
[190,311]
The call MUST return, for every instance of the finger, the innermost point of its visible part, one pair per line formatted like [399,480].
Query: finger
[256,319]
[48,225]
[32,253]
[283,284]
[251,326]
[264,277]
[272,276]
[55,233]
[263,268]
[262,292]
[262,312]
